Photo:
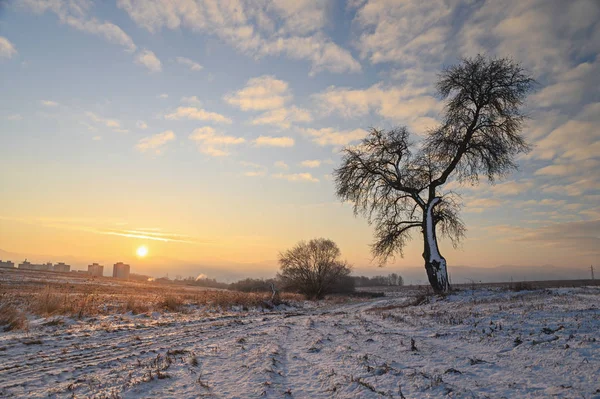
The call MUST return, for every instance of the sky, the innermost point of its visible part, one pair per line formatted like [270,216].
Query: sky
[208,130]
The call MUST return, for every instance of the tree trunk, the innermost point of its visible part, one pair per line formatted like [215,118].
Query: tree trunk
[435,264]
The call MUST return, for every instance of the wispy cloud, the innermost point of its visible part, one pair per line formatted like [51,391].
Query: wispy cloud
[261,93]
[141,125]
[511,188]
[7,49]
[254,169]
[147,235]
[269,141]
[49,103]
[296,177]
[191,100]
[266,93]
[113,124]
[406,104]
[281,165]
[148,59]
[214,143]
[101,227]
[331,136]
[256,29]
[579,236]
[197,114]
[311,163]
[74,14]
[155,142]
[283,117]
[192,65]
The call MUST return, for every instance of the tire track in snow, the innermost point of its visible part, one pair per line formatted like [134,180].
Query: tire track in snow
[112,351]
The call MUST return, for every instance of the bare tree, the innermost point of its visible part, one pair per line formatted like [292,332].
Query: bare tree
[397,183]
[313,268]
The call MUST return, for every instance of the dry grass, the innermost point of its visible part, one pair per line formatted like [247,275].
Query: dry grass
[135,305]
[88,297]
[172,302]
[12,318]
[55,301]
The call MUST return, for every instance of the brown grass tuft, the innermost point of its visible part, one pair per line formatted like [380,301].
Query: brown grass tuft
[172,303]
[12,318]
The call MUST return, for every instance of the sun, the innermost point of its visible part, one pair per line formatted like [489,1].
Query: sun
[142,251]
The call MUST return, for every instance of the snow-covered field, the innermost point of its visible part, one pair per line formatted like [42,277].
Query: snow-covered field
[472,344]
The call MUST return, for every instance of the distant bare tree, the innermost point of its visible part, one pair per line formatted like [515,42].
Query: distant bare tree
[397,183]
[395,279]
[313,268]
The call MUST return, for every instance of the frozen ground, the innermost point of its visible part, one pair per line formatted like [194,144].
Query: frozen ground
[473,344]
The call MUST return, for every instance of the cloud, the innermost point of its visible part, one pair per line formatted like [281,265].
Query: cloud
[269,28]
[301,17]
[543,35]
[256,170]
[191,100]
[14,117]
[213,143]
[577,187]
[104,227]
[113,124]
[479,205]
[261,93]
[281,165]
[283,117]
[268,141]
[580,236]
[407,32]
[111,32]
[296,177]
[7,49]
[197,114]
[163,95]
[568,169]
[141,125]
[511,188]
[148,59]
[155,142]
[192,65]
[266,93]
[569,87]
[49,103]
[74,14]
[315,163]
[331,136]
[323,53]
[575,140]
[404,104]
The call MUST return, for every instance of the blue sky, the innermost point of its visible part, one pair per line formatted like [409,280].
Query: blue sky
[222,121]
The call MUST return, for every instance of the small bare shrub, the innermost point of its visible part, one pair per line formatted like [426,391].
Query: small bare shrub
[49,302]
[520,286]
[12,318]
[172,303]
[135,306]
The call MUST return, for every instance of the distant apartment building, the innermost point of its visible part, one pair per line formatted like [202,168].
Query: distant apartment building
[35,266]
[7,264]
[121,270]
[95,270]
[61,267]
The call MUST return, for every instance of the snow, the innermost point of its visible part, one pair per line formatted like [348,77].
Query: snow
[471,344]
[434,252]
